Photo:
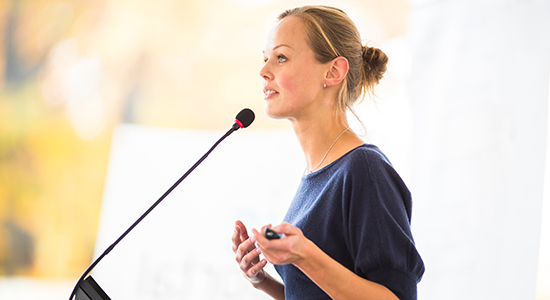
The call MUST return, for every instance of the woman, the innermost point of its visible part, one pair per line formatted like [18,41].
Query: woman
[347,232]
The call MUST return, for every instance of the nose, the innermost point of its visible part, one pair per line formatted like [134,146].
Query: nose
[265,72]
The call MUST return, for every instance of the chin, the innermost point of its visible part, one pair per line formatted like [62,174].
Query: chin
[274,113]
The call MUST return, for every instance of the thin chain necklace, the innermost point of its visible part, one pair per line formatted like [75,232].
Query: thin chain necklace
[322,160]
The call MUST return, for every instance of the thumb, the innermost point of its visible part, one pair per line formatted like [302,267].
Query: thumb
[286,229]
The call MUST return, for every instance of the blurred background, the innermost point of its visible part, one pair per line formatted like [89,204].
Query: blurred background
[71,72]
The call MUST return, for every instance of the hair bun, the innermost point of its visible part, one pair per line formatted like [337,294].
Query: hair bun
[374,66]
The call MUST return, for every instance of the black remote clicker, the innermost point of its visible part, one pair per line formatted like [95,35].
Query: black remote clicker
[271,235]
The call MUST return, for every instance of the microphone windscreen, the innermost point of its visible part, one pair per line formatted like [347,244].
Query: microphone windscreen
[246,117]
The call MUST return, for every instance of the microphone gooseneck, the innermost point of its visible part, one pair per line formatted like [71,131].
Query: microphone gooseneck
[243,119]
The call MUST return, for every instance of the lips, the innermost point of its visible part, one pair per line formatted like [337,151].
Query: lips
[268,92]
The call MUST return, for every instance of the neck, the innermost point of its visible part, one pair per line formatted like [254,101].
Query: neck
[317,136]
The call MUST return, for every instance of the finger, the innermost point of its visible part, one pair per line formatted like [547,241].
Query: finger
[236,236]
[242,230]
[263,229]
[244,248]
[250,259]
[236,239]
[267,246]
[261,240]
[240,234]
[256,268]
[286,229]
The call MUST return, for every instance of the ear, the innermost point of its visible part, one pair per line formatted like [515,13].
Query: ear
[338,69]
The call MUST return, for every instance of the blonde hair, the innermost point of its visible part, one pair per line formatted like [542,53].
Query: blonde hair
[331,33]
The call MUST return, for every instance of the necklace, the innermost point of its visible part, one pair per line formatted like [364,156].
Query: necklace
[322,160]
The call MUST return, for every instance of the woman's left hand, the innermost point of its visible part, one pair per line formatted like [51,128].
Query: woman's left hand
[292,248]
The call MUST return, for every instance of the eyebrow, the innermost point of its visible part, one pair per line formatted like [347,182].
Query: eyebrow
[279,46]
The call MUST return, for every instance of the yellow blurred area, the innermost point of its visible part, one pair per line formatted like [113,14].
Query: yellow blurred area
[71,71]
[52,182]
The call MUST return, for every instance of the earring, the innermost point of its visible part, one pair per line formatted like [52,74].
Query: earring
[325,85]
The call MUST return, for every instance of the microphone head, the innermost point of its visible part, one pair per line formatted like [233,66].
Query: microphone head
[244,118]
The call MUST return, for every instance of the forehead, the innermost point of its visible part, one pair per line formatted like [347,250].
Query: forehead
[289,31]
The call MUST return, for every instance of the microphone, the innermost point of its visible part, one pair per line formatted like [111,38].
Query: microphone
[87,288]
[243,119]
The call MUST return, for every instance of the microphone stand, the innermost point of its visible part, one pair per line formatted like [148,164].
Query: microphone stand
[92,282]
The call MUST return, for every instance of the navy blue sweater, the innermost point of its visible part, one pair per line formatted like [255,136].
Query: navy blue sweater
[358,211]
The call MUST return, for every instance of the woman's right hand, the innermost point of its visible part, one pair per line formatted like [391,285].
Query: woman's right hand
[247,255]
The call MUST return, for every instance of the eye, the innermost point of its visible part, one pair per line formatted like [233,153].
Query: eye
[281,58]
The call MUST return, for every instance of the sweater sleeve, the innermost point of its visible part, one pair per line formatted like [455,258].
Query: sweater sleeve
[377,213]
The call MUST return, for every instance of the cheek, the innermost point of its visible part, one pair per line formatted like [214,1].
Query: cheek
[296,84]
[288,82]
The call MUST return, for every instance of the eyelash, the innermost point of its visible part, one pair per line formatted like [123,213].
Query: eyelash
[278,59]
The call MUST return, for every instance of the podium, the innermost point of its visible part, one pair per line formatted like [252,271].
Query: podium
[90,290]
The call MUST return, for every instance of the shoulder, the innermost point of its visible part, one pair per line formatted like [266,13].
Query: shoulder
[364,167]
[369,173]
[366,158]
